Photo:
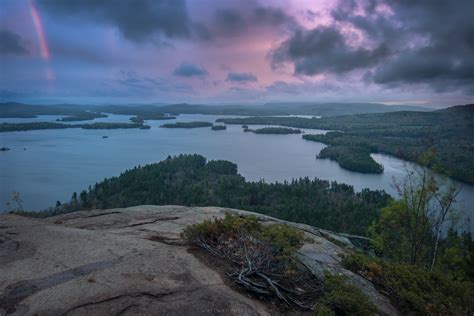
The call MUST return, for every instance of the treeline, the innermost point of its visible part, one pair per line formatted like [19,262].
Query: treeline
[194,124]
[406,135]
[15,127]
[277,130]
[190,180]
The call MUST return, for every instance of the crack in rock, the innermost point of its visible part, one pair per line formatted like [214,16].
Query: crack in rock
[102,214]
[152,221]
[118,297]
[17,292]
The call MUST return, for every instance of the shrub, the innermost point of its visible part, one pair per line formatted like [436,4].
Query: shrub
[415,290]
[283,238]
[343,298]
[260,257]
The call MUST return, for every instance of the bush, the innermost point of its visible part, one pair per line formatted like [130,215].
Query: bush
[415,290]
[343,298]
[283,238]
[259,258]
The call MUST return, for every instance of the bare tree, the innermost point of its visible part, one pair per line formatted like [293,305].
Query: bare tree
[16,203]
[428,208]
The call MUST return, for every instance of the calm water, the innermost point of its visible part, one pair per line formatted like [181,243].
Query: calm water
[45,166]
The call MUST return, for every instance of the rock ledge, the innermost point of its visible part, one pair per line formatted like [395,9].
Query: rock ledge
[132,261]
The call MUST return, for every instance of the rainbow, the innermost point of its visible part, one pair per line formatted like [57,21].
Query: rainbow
[43,44]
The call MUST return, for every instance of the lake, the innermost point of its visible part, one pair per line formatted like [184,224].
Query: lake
[48,165]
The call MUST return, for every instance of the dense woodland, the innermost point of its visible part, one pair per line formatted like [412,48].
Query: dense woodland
[449,132]
[190,180]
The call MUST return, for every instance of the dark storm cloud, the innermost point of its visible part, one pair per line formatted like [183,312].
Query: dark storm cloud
[446,59]
[413,41]
[241,77]
[238,20]
[324,49]
[426,66]
[137,20]
[229,21]
[190,70]
[10,43]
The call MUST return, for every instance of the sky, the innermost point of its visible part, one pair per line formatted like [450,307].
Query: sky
[237,51]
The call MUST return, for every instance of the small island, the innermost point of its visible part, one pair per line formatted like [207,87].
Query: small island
[4,149]
[140,118]
[219,128]
[353,158]
[248,130]
[194,124]
[84,116]
[277,130]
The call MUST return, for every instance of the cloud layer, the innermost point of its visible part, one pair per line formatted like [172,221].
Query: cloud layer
[137,20]
[241,50]
[396,42]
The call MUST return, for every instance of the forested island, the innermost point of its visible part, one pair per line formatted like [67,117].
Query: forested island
[155,116]
[354,158]
[277,130]
[195,124]
[86,116]
[448,132]
[219,128]
[14,127]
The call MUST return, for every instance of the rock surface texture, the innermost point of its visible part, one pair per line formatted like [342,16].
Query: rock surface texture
[132,261]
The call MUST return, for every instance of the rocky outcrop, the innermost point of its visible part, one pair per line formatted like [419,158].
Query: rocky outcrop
[132,261]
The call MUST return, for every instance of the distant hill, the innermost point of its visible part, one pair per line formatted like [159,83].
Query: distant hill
[289,108]
[337,109]
[19,110]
